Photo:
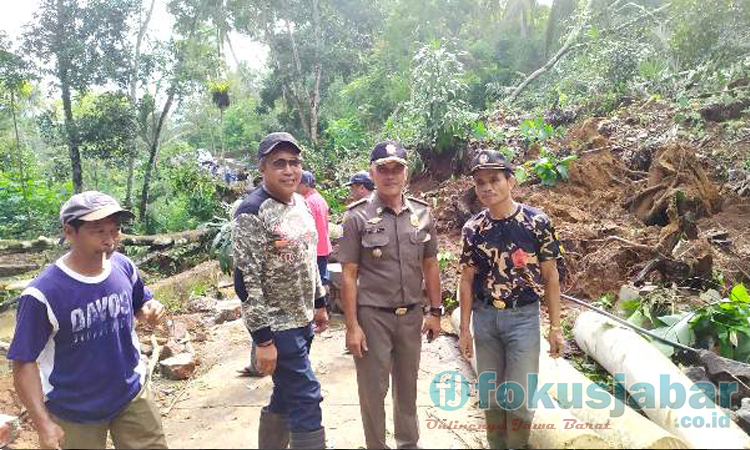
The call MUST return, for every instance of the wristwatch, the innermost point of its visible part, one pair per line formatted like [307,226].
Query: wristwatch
[436,311]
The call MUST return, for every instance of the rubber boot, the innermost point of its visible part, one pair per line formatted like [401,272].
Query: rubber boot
[309,440]
[497,438]
[273,431]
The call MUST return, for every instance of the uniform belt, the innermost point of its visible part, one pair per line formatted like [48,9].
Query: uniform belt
[399,311]
[511,303]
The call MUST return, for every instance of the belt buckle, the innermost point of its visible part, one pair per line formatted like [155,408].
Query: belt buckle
[499,304]
[401,311]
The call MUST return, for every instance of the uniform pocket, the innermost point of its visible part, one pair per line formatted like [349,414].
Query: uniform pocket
[372,240]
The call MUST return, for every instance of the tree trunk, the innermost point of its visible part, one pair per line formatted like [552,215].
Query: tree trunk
[154,148]
[560,436]
[70,128]
[63,72]
[630,430]
[621,350]
[131,174]
[134,101]
[21,167]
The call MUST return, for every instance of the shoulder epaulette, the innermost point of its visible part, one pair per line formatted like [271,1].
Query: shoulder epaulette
[419,200]
[357,203]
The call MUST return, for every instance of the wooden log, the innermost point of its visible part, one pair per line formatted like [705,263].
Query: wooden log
[168,240]
[559,436]
[14,246]
[622,351]
[629,430]
[156,241]
[11,270]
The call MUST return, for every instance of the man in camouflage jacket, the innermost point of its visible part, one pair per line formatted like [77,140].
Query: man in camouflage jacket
[276,277]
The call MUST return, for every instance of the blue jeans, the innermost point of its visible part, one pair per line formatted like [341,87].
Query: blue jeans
[296,391]
[325,277]
[507,343]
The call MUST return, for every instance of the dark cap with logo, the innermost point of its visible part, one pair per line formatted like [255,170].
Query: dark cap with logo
[271,141]
[388,151]
[362,178]
[90,206]
[307,178]
[490,159]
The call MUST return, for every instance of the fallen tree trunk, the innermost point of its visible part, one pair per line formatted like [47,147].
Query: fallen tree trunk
[621,351]
[629,430]
[167,240]
[560,435]
[156,241]
[14,246]
[10,270]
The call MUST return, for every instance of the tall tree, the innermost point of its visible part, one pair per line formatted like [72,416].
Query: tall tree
[144,18]
[561,12]
[312,42]
[81,44]
[15,75]
[189,60]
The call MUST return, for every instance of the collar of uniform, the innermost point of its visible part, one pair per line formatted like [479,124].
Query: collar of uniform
[379,205]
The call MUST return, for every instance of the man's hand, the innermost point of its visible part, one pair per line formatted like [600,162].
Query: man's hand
[466,344]
[556,343]
[265,359]
[431,327]
[355,341]
[321,320]
[152,312]
[50,435]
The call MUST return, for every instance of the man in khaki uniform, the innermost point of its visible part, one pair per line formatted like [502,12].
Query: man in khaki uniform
[390,246]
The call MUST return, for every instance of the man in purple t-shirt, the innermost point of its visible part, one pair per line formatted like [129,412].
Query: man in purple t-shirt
[76,357]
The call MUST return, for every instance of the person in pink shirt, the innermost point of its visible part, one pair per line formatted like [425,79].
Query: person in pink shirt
[319,208]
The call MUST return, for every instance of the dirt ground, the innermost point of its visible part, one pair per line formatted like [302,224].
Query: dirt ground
[218,409]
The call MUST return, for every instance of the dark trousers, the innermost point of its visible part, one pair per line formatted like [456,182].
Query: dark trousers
[296,391]
[325,277]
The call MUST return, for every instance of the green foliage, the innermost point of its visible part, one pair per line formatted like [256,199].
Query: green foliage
[450,303]
[187,199]
[537,130]
[709,30]
[727,323]
[436,116]
[29,214]
[444,260]
[106,125]
[221,245]
[549,168]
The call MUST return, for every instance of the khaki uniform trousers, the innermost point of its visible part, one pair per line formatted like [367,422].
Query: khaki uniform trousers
[394,345]
[137,426]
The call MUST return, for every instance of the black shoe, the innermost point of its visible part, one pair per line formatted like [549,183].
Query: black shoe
[250,371]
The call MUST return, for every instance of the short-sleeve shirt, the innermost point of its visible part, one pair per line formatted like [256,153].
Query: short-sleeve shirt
[319,209]
[81,330]
[506,253]
[389,250]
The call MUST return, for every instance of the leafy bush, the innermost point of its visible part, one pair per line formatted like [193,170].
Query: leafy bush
[436,115]
[29,213]
[549,168]
[727,323]
[537,130]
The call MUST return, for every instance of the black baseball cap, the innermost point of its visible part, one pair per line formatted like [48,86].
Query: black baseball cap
[490,159]
[388,151]
[362,178]
[269,143]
